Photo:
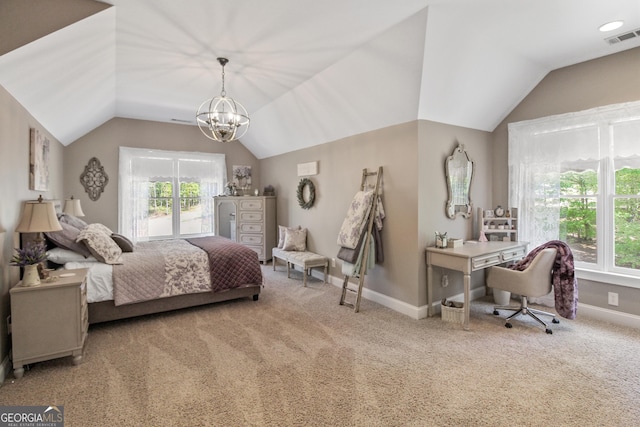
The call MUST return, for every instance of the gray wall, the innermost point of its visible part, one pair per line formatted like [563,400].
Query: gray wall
[15,123]
[609,80]
[412,156]
[104,142]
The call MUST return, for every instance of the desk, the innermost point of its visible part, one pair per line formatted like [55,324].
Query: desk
[467,258]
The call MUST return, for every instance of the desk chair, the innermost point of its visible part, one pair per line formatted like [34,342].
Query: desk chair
[534,281]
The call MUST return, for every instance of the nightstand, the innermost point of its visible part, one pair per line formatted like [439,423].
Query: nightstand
[50,320]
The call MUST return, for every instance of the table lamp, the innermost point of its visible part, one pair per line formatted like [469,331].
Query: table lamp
[72,207]
[38,216]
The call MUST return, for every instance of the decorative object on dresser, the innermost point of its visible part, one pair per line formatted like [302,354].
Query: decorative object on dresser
[94,179]
[459,175]
[49,321]
[242,179]
[221,118]
[494,227]
[37,217]
[72,207]
[250,220]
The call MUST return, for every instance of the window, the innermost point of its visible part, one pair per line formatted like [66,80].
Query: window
[168,194]
[576,178]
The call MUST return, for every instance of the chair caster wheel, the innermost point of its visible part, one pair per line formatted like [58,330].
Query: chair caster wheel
[508,325]
[555,320]
[495,312]
[549,331]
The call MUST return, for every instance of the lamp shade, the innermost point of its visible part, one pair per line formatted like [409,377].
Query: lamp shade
[38,216]
[72,207]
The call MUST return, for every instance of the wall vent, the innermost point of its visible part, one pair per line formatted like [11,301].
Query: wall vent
[624,36]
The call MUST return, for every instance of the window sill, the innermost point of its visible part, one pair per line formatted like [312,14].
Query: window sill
[612,278]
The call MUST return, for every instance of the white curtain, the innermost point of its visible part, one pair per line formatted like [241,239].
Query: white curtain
[539,150]
[138,167]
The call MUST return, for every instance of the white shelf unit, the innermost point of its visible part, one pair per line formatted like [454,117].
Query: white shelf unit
[504,228]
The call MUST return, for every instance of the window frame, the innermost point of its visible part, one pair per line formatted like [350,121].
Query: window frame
[216,180]
[604,119]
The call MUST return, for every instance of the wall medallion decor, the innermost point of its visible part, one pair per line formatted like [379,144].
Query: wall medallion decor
[39,161]
[306,183]
[94,179]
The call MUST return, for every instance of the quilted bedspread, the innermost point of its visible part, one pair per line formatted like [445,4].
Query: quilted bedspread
[160,269]
[232,264]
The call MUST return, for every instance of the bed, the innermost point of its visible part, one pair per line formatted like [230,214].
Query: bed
[126,280]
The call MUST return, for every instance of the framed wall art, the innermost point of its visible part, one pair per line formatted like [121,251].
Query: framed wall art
[39,161]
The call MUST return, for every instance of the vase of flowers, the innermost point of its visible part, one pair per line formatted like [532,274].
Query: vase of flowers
[29,258]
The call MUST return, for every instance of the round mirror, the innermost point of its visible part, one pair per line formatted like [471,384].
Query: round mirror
[459,170]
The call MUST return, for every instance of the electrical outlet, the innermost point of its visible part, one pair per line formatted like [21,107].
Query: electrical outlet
[445,280]
[613,298]
[333,262]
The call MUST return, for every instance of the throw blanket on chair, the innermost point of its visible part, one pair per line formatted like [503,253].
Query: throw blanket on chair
[565,284]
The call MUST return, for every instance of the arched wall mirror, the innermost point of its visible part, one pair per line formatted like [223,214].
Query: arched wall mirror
[459,171]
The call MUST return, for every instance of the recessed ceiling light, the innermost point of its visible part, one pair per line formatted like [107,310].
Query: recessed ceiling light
[610,26]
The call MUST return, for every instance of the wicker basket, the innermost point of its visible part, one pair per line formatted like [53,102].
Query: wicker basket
[452,314]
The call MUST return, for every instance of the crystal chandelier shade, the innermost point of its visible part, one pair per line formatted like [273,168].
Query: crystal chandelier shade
[222,118]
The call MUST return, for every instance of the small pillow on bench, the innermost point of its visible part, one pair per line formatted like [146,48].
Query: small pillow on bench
[295,240]
[281,232]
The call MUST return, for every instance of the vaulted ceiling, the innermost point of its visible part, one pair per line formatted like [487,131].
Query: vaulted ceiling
[307,71]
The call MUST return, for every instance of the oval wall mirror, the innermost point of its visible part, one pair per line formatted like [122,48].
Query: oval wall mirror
[459,171]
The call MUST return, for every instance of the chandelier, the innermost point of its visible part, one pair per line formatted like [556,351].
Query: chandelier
[222,118]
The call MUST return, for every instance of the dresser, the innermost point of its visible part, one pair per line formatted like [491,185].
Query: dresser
[250,220]
[50,320]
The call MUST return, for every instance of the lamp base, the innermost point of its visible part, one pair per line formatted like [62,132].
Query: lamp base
[31,276]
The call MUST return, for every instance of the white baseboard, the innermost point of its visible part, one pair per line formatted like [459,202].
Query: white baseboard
[607,315]
[590,311]
[5,366]
[400,306]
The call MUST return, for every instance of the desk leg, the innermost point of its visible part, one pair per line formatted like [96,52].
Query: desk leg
[467,300]
[429,290]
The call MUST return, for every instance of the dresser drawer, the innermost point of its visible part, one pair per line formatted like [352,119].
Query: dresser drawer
[251,239]
[251,227]
[485,261]
[251,216]
[252,205]
[257,249]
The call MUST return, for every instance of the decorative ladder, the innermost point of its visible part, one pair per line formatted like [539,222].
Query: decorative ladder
[365,256]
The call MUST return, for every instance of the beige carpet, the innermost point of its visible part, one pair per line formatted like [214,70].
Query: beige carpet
[297,358]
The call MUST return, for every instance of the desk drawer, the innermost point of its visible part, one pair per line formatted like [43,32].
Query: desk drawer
[485,261]
[514,254]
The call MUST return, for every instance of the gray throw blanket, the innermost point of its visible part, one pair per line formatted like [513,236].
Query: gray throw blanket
[565,284]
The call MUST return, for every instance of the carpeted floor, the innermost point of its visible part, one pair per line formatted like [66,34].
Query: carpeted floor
[297,358]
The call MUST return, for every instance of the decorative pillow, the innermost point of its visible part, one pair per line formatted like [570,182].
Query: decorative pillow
[100,227]
[125,244]
[62,256]
[100,245]
[281,231]
[67,239]
[72,220]
[295,240]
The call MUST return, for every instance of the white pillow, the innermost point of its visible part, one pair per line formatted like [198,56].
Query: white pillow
[62,256]
[281,231]
[295,240]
